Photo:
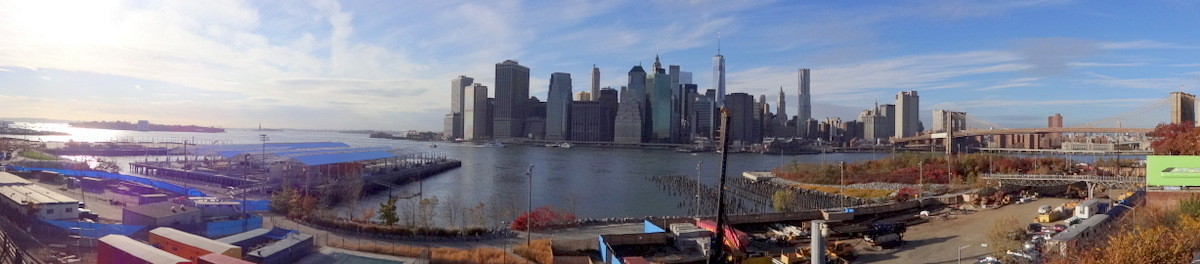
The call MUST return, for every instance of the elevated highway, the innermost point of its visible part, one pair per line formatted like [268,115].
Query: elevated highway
[1026,131]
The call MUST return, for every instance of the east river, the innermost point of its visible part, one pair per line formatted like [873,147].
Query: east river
[591,182]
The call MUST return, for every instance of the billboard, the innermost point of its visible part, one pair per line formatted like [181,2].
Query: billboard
[1173,170]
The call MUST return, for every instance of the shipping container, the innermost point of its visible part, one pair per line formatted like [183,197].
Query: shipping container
[118,249]
[190,246]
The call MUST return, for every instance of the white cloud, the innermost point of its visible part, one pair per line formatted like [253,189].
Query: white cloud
[1018,82]
[1144,44]
[1162,84]
[855,82]
[1104,64]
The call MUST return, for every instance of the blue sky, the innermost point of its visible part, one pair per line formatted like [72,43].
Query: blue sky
[387,64]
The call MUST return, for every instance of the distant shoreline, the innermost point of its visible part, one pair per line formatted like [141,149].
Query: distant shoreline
[120,125]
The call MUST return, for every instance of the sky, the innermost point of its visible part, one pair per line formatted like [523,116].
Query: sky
[387,65]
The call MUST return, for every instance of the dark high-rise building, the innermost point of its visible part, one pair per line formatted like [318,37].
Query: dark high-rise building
[609,99]
[631,113]
[719,78]
[535,120]
[661,112]
[741,113]
[512,91]
[704,107]
[590,122]
[558,107]
[687,112]
[595,82]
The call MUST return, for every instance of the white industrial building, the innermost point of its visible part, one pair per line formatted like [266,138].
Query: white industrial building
[49,205]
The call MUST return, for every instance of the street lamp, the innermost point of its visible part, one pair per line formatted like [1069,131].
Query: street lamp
[529,214]
[963,247]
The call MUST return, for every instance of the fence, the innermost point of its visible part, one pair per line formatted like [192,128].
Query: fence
[96,230]
[108,175]
[225,228]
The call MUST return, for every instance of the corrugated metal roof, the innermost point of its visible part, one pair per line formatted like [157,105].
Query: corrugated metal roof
[323,159]
[141,250]
[35,194]
[217,258]
[12,179]
[234,150]
[193,240]
[282,245]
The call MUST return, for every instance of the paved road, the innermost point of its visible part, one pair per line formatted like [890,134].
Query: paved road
[938,240]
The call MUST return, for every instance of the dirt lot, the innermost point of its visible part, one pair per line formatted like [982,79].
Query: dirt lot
[938,241]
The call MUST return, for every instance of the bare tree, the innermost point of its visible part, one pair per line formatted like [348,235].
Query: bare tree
[453,212]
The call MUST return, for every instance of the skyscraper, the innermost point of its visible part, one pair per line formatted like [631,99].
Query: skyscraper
[781,106]
[719,78]
[512,93]
[741,117]
[589,122]
[660,103]
[804,106]
[878,123]
[631,111]
[608,98]
[475,113]
[558,107]
[595,81]
[907,108]
[457,101]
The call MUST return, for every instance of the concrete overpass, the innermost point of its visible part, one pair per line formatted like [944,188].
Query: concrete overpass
[1024,131]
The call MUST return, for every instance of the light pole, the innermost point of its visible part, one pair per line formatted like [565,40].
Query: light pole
[959,261]
[697,205]
[529,214]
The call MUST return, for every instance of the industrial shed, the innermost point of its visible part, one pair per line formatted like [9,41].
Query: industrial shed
[190,246]
[122,249]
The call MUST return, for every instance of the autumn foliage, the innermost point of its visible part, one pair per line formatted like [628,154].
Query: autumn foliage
[1176,139]
[440,255]
[539,251]
[542,217]
[912,168]
[1151,235]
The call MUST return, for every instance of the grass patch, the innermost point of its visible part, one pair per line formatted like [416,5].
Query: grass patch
[860,193]
[32,154]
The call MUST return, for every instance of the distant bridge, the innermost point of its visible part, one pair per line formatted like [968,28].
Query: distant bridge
[1092,181]
[1028,131]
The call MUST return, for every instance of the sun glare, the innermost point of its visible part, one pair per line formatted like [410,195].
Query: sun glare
[69,22]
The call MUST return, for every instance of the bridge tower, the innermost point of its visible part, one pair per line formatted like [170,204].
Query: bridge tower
[1183,107]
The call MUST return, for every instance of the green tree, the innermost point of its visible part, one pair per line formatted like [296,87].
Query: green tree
[782,200]
[387,211]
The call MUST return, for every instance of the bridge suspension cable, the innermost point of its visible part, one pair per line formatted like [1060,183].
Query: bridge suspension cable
[971,118]
[1130,114]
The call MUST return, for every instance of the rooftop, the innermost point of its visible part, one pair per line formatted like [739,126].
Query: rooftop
[282,245]
[141,250]
[161,209]
[34,194]
[192,240]
[12,179]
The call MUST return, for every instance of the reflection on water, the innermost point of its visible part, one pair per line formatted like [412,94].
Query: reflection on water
[594,182]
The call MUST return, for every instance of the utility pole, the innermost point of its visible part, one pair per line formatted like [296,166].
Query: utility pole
[529,214]
[697,206]
[842,182]
[719,242]
[245,180]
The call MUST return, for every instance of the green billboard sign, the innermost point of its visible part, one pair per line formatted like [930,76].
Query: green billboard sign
[1173,170]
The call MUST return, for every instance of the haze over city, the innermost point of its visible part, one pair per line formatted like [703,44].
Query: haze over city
[387,65]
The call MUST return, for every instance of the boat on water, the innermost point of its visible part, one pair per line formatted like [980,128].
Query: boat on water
[565,145]
[492,144]
[433,145]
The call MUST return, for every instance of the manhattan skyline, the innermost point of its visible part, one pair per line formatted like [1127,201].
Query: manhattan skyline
[363,65]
